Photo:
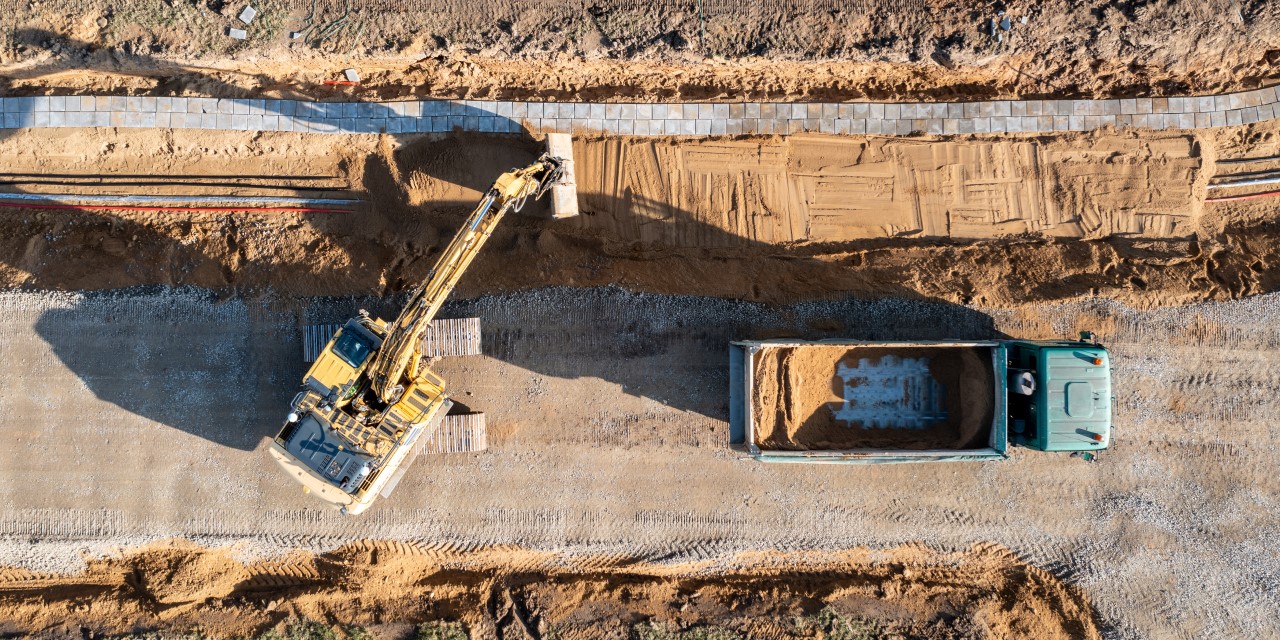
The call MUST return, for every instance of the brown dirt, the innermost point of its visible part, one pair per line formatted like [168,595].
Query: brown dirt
[903,50]
[636,231]
[799,391]
[985,591]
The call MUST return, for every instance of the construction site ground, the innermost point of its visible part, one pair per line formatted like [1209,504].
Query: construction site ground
[151,355]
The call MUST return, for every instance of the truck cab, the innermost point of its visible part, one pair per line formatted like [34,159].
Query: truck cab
[1059,395]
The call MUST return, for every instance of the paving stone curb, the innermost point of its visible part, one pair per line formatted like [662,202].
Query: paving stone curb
[684,119]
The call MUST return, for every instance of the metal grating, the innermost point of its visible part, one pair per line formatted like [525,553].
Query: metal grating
[446,337]
[458,433]
[452,337]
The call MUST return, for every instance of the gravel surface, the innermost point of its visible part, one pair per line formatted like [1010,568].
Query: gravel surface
[137,416]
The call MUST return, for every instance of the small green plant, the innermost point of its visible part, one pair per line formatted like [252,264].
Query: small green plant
[302,630]
[829,624]
[441,631]
[654,631]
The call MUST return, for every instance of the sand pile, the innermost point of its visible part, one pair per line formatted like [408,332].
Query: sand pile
[802,394]
[912,592]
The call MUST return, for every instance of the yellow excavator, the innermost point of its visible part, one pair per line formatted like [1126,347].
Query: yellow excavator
[368,403]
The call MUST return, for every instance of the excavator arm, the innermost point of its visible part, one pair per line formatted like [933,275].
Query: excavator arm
[399,356]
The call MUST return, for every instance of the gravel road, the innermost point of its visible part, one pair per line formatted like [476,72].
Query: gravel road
[143,415]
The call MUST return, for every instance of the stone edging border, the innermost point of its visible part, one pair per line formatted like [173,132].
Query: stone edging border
[684,119]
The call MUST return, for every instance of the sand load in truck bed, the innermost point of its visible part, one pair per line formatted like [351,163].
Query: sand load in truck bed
[840,397]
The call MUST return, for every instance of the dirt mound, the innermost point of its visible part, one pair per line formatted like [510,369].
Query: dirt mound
[808,50]
[515,593]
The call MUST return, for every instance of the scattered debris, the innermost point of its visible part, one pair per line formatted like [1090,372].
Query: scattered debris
[1005,24]
[351,75]
[248,14]
[238,34]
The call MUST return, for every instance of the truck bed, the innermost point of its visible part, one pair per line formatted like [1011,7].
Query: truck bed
[869,402]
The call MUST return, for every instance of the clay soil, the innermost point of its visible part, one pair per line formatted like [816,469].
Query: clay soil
[984,592]
[716,49]
[685,217]
[798,392]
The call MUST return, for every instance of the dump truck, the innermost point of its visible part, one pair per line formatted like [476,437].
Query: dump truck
[369,404]
[842,401]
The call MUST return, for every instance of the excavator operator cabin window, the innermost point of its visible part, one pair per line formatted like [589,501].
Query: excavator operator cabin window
[352,348]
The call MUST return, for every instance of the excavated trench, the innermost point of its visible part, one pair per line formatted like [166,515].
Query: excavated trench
[668,216]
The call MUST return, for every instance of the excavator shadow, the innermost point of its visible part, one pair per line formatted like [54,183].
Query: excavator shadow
[225,371]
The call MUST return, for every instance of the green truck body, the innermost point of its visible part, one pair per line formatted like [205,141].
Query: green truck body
[1042,395]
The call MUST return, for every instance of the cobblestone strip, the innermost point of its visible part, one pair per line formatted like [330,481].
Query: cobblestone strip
[687,119]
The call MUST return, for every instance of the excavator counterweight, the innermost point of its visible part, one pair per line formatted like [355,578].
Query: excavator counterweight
[367,402]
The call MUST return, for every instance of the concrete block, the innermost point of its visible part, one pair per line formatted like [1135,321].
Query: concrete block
[1062,123]
[237,34]
[38,119]
[1144,105]
[58,103]
[752,111]
[256,106]
[1159,105]
[1219,118]
[1109,107]
[955,111]
[702,127]
[57,118]
[40,103]
[1124,121]
[1234,118]
[1234,101]
[1204,104]
[1203,120]
[1128,106]
[247,14]
[971,111]
[705,112]
[892,111]
[951,126]
[101,119]
[982,125]
[876,111]
[858,126]
[861,111]
[966,125]
[999,124]
[1248,115]
[270,123]
[659,112]
[225,122]
[720,111]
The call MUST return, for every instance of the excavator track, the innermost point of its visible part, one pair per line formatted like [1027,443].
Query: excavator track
[458,433]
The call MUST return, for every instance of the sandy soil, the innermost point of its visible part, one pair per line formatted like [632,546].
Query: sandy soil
[985,591]
[1120,215]
[799,391]
[907,49]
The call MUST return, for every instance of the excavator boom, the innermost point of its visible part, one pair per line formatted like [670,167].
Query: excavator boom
[399,351]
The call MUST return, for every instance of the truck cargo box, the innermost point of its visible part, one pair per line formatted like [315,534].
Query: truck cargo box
[841,401]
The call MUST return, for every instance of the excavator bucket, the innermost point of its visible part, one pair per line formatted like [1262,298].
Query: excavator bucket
[564,193]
